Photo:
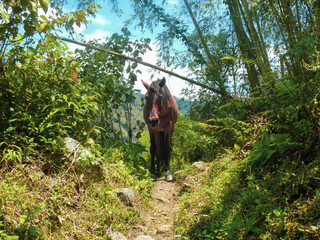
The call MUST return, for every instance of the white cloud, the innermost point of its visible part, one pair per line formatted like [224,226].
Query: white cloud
[80,29]
[173,2]
[100,20]
[98,34]
[72,47]
[97,20]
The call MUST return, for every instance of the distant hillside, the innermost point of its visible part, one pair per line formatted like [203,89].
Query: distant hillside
[183,105]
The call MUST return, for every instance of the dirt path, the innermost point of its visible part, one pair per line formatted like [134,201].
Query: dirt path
[159,221]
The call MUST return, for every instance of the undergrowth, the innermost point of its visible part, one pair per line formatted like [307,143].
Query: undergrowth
[264,187]
[234,202]
[72,203]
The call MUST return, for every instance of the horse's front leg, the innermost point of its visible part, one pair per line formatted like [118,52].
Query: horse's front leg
[159,144]
[167,153]
[152,153]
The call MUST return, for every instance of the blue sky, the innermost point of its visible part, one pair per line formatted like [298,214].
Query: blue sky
[106,23]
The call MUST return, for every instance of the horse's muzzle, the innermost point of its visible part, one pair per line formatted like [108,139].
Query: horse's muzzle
[154,122]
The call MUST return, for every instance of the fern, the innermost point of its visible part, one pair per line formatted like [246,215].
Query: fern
[42,125]
[271,147]
[10,154]
[283,143]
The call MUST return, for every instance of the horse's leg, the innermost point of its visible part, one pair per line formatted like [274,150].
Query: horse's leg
[152,152]
[160,152]
[167,152]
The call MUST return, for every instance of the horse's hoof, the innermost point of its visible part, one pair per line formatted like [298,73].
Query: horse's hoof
[169,178]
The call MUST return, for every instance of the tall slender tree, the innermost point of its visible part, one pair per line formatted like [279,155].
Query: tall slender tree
[245,44]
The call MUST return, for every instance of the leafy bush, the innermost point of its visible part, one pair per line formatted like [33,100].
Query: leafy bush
[113,80]
[191,142]
[42,98]
[47,102]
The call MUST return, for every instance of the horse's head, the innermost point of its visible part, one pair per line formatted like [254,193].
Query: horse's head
[154,101]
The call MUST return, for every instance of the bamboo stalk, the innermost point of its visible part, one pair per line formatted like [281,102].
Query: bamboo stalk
[204,44]
[137,61]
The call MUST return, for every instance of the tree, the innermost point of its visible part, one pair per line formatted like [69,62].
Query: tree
[48,93]
[221,85]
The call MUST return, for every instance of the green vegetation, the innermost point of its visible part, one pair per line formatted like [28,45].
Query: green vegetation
[261,190]
[257,131]
[77,202]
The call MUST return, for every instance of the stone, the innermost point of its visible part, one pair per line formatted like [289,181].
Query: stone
[127,196]
[164,228]
[143,237]
[179,175]
[200,166]
[75,150]
[82,158]
[117,236]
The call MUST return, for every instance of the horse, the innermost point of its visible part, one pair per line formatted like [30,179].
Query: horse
[160,114]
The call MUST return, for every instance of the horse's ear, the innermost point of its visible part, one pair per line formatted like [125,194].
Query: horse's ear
[163,82]
[146,85]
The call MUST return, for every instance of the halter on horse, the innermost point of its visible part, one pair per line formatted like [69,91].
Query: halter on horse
[160,114]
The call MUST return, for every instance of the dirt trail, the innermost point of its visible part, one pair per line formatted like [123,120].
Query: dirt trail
[159,221]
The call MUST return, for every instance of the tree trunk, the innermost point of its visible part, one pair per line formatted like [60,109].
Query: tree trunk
[244,42]
[127,111]
[263,46]
[292,31]
[263,61]
[317,14]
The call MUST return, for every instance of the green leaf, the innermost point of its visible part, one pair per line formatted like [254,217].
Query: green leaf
[314,228]
[73,104]
[32,6]
[18,156]
[65,97]
[43,27]
[44,4]
[23,219]
[249,223]
[33,230]
[134,65]
[30,118]
[45,126]
[9,129]
[4,14]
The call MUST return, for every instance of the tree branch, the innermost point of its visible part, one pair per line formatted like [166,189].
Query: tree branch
[309,171]
[137,61]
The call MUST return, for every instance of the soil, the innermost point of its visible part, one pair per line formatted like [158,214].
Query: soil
[159,221]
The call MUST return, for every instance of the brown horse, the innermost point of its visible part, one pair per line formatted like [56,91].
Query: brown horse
[160,114]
